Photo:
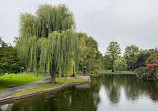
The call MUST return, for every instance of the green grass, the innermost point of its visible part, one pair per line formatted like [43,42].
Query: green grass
[65,80]
[47,85]
[17,79]
[40,87]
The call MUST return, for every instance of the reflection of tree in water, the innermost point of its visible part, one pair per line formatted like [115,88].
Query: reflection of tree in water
[95,88]
[70,99]
[82,99]
[6,107]
[113,88]
[153,91]
[133,87]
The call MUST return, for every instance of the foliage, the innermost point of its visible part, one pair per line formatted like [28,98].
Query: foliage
[140,71]
[47,41]
[131,55]
[114,51]
[9,60]
[47,19]
[141,60]
[2,43]
[91,57]
[18,79]
[153,66]
[120,64]
[107,62]
[152,57]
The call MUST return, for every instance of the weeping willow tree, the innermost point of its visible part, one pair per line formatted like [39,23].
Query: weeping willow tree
[48,42]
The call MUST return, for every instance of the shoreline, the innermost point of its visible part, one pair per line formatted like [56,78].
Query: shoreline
[52,90]
[117,73]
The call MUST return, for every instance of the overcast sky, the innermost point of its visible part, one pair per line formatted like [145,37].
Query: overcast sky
[126,21]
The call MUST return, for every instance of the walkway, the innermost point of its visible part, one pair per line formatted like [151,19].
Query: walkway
[14,90]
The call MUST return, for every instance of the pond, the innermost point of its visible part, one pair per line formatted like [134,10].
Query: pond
[105,93]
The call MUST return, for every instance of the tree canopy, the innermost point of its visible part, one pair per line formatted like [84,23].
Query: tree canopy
[91,57]
[114,51]
[9,60]
[47,40]
[131,54]
[107,62]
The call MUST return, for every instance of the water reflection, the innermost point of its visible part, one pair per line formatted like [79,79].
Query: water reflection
[6,107]
[109,92]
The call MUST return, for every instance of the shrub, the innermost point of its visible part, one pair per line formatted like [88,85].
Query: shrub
[120,64]
[153,66]
[152,57]
[140,71]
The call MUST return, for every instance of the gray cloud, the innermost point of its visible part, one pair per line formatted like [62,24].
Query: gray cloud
[126,21]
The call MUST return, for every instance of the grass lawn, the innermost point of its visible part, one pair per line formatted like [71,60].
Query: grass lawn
[47,85]
[18,79]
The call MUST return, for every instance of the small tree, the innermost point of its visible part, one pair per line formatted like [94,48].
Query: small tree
[131,55]
[153,66]
[114,51]
[9,60]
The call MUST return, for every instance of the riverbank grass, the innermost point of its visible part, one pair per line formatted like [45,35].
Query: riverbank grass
[47,85]
[17,79]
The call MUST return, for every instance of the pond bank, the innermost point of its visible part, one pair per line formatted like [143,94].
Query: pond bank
[148,78]
[56,89]
[116,73]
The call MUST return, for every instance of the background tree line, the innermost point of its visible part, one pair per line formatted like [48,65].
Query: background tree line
[133,57]
[48,43]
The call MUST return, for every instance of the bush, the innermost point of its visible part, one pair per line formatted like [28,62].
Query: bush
[153,66]
[141,71]
[152,57]
[120,64]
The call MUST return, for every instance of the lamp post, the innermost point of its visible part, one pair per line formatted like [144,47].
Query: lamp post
[73,72]
[84,70]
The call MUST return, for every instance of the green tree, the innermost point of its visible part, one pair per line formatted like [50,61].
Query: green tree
[9,60]
[141,60]
[91,57]
[131,55]
[120,64]
[114,51]
[107,62]
[47,40]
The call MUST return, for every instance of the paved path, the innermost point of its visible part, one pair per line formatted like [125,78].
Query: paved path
[14,90]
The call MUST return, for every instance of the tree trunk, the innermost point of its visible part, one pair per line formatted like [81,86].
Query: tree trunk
[62,74]
[113,66]
[53,72]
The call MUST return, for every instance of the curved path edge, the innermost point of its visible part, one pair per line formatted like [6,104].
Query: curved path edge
[59,88]
[8,93]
